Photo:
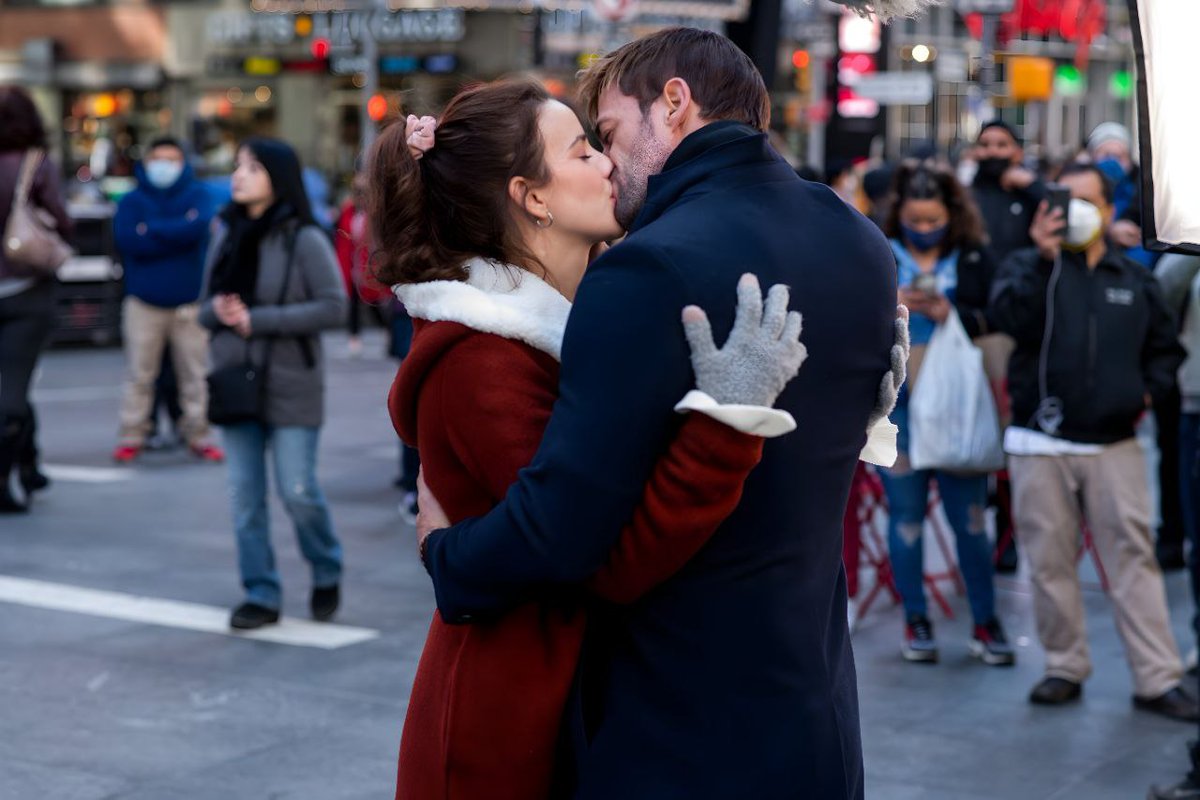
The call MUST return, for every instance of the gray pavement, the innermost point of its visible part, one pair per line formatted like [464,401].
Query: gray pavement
[92,707]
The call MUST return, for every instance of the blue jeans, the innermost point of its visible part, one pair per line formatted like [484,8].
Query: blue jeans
[294,451]
[964,498]
[1189,491]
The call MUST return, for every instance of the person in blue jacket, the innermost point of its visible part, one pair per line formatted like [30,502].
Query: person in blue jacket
[734,678]
[162,230]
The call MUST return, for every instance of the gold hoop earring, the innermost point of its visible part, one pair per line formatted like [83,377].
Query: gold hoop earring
[544,223]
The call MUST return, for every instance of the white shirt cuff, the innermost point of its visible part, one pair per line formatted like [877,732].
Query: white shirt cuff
[755,420]
[880,449]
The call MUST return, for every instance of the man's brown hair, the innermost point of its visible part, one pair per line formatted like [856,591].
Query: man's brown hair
[724,81]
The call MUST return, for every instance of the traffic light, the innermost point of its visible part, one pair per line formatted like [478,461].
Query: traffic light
[800,60]
[377,107]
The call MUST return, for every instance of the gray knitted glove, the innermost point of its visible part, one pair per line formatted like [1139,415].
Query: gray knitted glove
[763,351]
[893,379]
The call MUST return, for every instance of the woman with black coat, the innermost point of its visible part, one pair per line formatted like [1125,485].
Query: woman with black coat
[272,284]
[26,302]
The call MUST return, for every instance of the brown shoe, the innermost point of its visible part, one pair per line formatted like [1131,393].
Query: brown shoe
[1177,703]
[1055,691]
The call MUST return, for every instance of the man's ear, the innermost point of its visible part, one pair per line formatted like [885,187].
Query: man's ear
[527,198]
[677,97]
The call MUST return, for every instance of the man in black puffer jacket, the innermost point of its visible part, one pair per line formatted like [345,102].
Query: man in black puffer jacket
[1096,346]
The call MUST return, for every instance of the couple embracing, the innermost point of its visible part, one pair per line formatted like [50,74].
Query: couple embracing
[638,566]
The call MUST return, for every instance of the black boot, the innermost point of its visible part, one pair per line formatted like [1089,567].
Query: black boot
[1188,788]
[12,499]
[31,477]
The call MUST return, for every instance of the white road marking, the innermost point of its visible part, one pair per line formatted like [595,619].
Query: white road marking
[72,474]
[175,614]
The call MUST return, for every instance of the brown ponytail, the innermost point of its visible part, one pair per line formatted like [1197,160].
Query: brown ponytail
[430,216]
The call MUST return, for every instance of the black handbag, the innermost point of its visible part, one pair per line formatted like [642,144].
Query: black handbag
[238,392]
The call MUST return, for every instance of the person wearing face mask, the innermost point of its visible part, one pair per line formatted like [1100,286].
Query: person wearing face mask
[1006,192]
[161,231]
[1109,148]
[942,268]
[1096,346]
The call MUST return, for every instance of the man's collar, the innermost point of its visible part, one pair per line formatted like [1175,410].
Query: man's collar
[708,137]
[1112,259]
[700,157]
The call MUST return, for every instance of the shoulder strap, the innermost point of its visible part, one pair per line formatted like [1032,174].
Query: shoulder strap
[29,167]
[306,350]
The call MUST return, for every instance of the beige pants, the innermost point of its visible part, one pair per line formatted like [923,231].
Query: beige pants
[147,329]
[1048,492]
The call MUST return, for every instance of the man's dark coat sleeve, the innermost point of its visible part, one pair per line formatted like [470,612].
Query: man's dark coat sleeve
[625,365]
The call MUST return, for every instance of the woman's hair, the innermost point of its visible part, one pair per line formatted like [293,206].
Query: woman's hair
[20,124]
[287,178]
[429,216]
[914,181]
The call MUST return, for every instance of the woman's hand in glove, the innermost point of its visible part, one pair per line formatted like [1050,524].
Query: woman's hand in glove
[763,351]
[893,379]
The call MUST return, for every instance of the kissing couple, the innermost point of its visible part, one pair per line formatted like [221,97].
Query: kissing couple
[634,536]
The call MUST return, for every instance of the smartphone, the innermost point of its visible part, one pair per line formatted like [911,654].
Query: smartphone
[924,282]
[1058,196]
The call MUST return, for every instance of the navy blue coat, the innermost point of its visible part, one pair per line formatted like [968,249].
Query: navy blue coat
[735,678]
[164,260]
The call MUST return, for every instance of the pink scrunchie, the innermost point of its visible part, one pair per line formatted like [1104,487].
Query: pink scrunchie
[419,134]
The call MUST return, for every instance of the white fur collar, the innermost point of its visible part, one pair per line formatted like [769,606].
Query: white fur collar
[496,298]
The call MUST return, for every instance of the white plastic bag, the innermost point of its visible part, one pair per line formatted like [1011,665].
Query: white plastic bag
[952,415]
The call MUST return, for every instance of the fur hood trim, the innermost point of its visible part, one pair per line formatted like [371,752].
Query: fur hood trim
[496,298]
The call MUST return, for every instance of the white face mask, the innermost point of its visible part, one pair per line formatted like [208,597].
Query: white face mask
[163,173]
[1084,225]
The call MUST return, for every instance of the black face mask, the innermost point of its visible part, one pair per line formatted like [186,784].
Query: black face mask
[992,168]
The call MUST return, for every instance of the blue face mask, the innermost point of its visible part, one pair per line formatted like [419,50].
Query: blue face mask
[923,241]
[1112,169]
[162,173]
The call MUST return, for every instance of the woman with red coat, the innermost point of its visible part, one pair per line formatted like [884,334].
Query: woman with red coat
[486,227]
[352,244]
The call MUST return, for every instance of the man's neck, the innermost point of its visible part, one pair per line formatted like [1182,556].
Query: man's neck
[1096,253]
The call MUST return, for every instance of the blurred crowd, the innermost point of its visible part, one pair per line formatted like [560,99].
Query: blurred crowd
[1090,351]
[1089,346]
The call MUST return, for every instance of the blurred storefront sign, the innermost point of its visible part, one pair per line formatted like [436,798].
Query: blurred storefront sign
[896,88]
[570,36]
[339,28]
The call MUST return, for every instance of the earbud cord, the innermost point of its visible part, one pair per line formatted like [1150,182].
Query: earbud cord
[1048,416]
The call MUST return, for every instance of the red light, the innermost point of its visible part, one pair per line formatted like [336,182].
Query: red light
[377,107]
[320,48]
[800,59]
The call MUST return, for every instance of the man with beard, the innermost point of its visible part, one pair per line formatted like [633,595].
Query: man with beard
[1006,192]
[735,678]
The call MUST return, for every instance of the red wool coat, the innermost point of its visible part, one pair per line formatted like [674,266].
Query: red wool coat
[483,719]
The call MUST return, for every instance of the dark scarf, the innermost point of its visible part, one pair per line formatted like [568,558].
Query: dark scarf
[236,268]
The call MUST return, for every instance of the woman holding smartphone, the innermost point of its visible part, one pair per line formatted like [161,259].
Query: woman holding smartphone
[937,236]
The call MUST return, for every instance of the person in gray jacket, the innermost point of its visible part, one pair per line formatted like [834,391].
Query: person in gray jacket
[271,285]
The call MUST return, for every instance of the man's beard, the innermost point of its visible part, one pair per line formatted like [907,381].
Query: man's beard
[646,158]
